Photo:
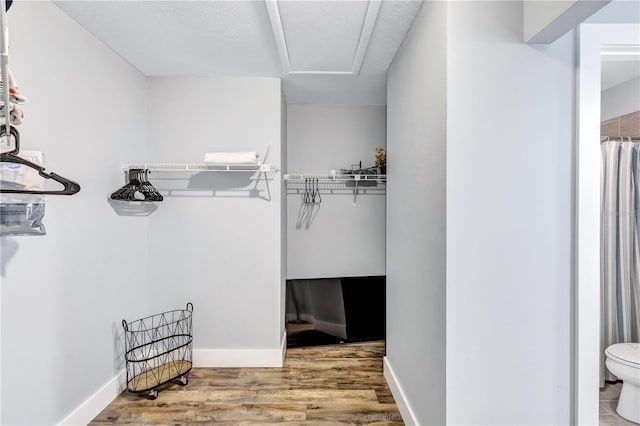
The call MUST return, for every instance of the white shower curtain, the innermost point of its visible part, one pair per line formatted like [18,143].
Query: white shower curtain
[620,254]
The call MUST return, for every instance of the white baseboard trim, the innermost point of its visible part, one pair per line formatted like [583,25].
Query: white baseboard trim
[396,390]
[240,357]
[97,402]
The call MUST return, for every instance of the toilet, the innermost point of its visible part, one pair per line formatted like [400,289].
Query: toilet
[623,360]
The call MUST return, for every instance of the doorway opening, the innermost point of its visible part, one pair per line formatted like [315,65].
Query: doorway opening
[587,300]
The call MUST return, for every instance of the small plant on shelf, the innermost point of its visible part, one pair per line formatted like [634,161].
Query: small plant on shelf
[381,160]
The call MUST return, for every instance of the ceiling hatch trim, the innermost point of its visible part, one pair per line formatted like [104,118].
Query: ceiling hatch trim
[373,9]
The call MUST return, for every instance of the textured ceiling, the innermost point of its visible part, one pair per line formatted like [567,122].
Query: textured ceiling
[325,51]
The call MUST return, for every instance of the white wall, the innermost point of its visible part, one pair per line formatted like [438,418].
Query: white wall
[64,295]
[510,131]
[416,122]
[344,239]
[508,109]
[621,99]
[214,242]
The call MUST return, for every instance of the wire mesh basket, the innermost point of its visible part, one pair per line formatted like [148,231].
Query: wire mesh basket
[158,349]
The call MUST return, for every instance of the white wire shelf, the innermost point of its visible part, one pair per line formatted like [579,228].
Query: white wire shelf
[350,183]
[160,167]
[336,178]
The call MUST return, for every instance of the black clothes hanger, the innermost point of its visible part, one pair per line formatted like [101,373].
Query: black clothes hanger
[147,188]
[138,189]
[311,191]
[128,192]
[317,199]
[306,198]
[70,187]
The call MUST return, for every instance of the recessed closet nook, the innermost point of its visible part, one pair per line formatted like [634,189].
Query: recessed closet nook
[457,254]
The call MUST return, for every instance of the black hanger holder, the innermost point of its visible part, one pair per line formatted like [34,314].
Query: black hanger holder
[138,188]
[70,187]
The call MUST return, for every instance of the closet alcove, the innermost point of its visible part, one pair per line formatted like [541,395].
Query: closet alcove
[336,224]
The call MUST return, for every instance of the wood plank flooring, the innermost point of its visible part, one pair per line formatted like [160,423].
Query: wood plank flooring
[322,385]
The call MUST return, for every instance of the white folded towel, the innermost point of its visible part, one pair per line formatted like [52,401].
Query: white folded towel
[249,157]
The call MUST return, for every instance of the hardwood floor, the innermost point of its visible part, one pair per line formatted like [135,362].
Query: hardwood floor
[322,385]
